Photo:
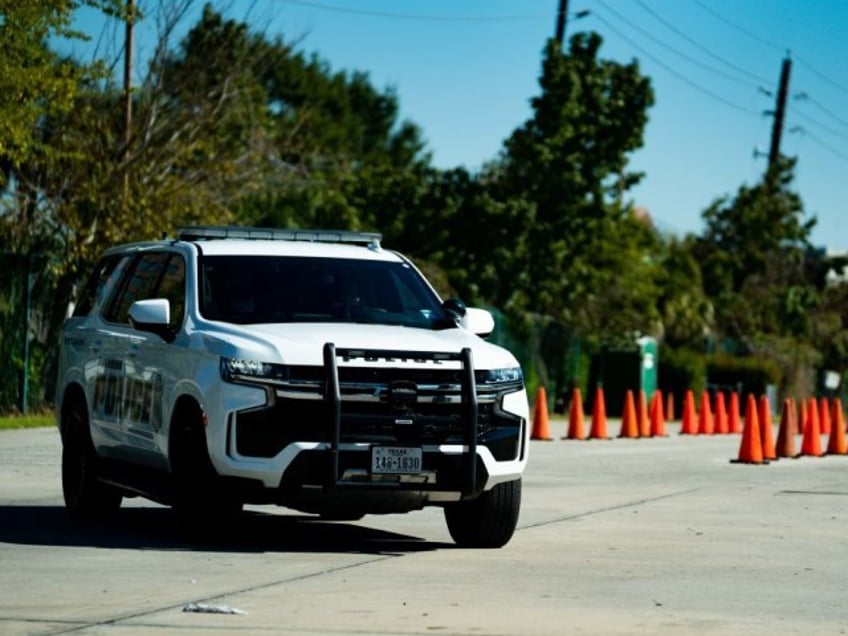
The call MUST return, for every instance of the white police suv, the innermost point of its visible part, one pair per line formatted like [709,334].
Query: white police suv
[309,369]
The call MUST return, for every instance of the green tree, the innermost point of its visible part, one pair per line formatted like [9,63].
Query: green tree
[687,313]
[751,251]
[583,257]
[34,82]
[753,256]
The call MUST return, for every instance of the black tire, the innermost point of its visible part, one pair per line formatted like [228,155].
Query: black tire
[199,495]
[488,521]
[85,495]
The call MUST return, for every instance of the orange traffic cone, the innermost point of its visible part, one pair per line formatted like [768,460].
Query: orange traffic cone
[802,417]
[785,445]
[575,416]
[824,416]
[733,422]
[688,426]
[669,407]
[541,429]
[629,425]
[722,426]
[657,416]
[811,442]
[642,415]
[837,444]
[750,449]
[599,416]
[766,432]
[706,425]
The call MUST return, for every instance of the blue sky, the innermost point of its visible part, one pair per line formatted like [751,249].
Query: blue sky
[465,70]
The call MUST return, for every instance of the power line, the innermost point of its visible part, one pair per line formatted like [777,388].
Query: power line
[821,142]
[770,44]
[677,74]
[411,16]
[824,127]
[672,49]
[696,44]
[741,29]
[822,76]
[807,98]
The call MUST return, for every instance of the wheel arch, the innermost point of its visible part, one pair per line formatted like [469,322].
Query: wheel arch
[186,411]
[72,395]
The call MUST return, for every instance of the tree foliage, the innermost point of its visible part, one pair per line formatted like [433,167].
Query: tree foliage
[34,82]
[584,256]
[235,126]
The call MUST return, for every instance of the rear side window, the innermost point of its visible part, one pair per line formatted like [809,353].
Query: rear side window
[103,273]
[151,275]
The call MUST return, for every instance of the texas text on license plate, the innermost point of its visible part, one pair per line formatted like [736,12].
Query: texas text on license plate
[395,460]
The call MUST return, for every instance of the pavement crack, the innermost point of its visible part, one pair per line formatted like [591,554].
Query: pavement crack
[207,599]
[597,511]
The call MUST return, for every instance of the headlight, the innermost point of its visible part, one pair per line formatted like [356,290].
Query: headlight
[502,376]
[234,369]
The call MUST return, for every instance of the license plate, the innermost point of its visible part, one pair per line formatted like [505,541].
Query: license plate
[395,460]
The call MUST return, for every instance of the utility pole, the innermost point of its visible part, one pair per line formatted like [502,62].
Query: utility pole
[128,68]
[779,112]
[560,23]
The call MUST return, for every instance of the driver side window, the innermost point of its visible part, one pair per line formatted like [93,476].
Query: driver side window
[151,275]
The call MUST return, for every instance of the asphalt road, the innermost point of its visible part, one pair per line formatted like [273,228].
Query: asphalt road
[651,536]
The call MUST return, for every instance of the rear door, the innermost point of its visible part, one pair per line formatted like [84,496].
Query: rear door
[88,346]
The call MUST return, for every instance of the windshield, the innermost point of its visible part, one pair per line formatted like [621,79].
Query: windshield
[276,289]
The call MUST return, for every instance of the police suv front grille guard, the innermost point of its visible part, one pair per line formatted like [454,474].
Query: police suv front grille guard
[332,396]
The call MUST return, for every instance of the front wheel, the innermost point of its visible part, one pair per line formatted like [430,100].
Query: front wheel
[489,520]
[85,495]
[200,495]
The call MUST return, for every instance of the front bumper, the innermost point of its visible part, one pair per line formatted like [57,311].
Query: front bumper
[311,441]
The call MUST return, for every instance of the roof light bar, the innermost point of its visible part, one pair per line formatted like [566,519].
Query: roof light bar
[214,232]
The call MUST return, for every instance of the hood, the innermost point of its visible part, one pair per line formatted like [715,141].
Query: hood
[303,343]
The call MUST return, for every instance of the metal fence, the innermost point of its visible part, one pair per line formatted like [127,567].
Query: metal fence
[26,289]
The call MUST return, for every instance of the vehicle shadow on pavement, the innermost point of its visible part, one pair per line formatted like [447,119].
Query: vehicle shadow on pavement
[162,529]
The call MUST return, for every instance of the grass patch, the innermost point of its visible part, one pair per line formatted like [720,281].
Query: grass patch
[27,421]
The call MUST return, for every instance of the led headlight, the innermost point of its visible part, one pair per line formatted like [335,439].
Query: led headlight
[234,369]
[502,376]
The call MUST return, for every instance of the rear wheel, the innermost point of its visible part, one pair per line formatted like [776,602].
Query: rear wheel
[85,496]
[489,520]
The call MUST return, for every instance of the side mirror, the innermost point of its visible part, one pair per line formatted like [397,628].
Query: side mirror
[454,308]
[153,315]
[478,321]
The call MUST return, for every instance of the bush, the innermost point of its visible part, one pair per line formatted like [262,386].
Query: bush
[680,370]
[749,374]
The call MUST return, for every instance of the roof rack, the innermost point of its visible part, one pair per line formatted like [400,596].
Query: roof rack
[215,232]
